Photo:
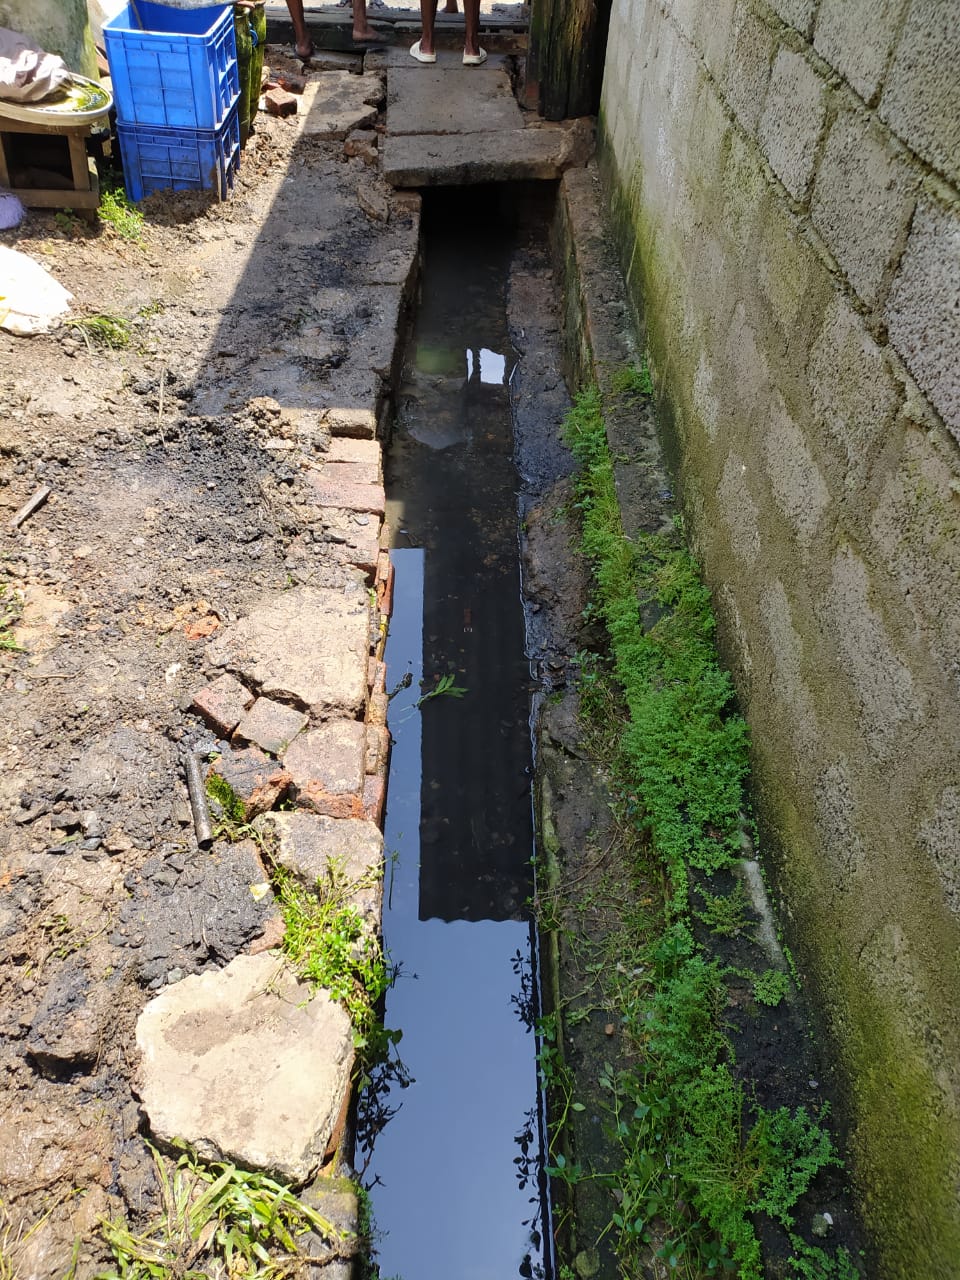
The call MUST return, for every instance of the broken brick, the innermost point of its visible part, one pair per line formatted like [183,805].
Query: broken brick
[378,748]
[270,725]
[326,766]
[367,498]
[292,83]
[280,103]
[374,797]
[257,781]
[222,704]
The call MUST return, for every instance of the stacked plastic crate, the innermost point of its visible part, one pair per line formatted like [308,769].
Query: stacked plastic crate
[176,86]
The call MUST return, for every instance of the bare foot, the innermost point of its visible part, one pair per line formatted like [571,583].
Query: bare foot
[363,34]
[450,7]
[304,51]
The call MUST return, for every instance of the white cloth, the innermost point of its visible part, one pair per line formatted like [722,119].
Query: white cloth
[31,301]
[27,72]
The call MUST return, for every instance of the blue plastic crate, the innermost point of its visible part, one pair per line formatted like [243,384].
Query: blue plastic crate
[179,71]
[180,159]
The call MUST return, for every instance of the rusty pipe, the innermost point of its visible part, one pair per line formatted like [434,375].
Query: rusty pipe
[198,802]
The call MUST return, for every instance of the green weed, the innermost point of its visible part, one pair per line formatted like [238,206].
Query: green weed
[117,211]
[696,1160]
[724,913]
[11,608]
[446,687]
[331,945]
[233,812]
[633,381]
[214,1221]
[102,330]
[771,987]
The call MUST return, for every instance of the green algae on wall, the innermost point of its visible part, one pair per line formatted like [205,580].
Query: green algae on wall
[905,1126]
[60,26]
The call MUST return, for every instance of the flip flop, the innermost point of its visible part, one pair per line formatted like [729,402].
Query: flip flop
[416,52]
[474,59]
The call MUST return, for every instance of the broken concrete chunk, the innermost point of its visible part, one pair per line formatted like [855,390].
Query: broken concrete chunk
[373,203]
[270,725]
[245,1064]
[316,847]
[308,645]
[359,423]
[362,143]
[222,704]
[335,103]
[254,779]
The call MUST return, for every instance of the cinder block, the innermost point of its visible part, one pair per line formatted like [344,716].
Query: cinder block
[713,33]
[923,308]
[857,38]
[739,511]
[789,271]
[863,198]
[793,117]
[851,386]
[798,486]
[795,13]
[940,836]
[838,820]
[747,66]
[882,682]
[786,654]
[921,96]
[914,530]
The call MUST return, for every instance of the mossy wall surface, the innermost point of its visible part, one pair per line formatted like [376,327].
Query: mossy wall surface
[60,26]
[783,178]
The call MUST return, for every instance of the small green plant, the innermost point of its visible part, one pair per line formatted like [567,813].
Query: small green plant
[102,330]
[633,381]
[332,946]
[11,607]
[724,913]
[444,688]
[771,987]
[67,222]
[214,1220]
[116,210]
[232,809]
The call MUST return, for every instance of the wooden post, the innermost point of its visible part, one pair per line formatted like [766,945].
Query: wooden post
[568,41]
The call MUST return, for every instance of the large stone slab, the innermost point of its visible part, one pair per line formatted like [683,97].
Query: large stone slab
[543,152]
[450,99]
[342,851]
[309,645]
[243,1064]
[335,103]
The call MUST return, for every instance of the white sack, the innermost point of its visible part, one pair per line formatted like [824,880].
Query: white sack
[31,301]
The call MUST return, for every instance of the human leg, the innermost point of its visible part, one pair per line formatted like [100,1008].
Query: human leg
[471,18]
[428,13]
[362,29]
[301,37]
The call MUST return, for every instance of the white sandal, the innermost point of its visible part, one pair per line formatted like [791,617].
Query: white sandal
[417,52]
[474,59]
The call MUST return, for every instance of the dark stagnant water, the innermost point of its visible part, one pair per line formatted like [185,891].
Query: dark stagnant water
[456,1170]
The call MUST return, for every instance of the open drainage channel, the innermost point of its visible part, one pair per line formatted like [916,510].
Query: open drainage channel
[455,1138]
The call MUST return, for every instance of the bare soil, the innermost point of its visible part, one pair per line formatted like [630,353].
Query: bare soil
[175,505]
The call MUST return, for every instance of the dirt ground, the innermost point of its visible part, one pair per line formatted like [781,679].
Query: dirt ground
[174,505]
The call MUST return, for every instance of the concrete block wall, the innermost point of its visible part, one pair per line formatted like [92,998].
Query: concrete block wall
[784,181]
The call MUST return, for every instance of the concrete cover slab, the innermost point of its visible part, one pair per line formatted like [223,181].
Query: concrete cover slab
[458,99]
[242,1063]
[444,160]
[337,102]
[309,644]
